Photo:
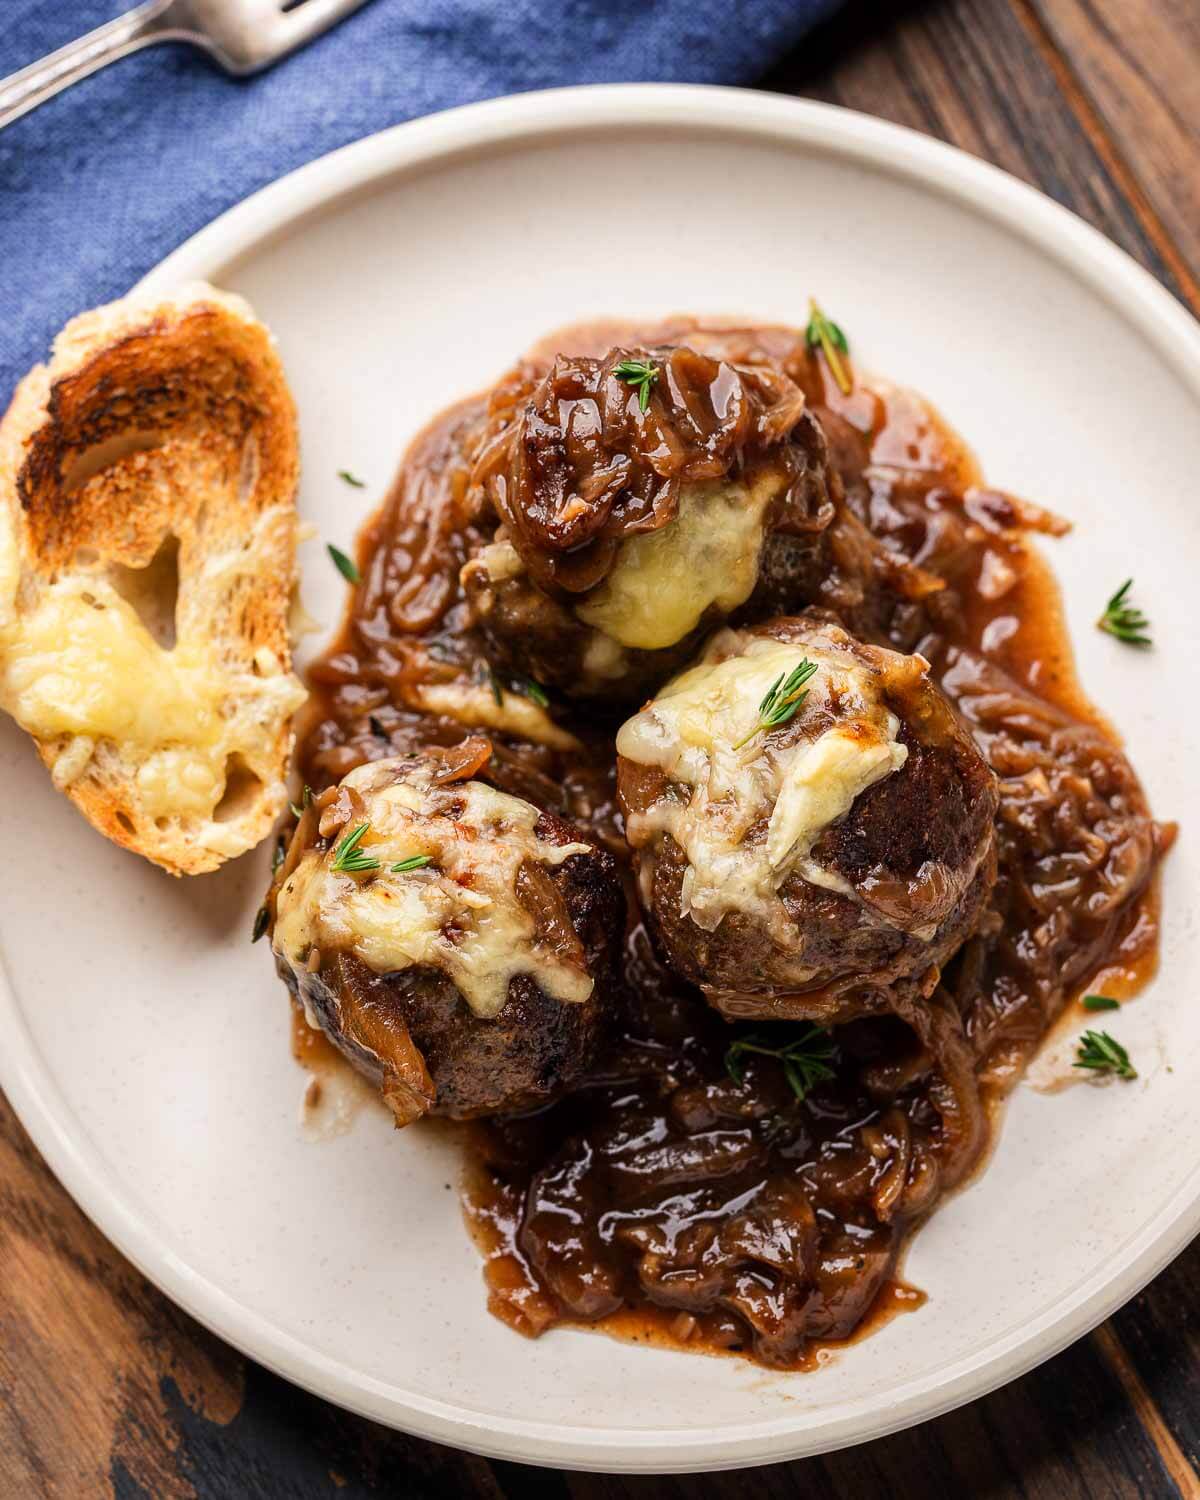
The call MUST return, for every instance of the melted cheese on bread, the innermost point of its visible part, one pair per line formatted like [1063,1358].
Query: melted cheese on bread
[147,553]
[80,666]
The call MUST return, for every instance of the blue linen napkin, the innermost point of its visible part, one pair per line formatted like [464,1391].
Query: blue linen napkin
[100,183]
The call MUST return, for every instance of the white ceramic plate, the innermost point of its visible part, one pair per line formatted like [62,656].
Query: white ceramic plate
[145,1041]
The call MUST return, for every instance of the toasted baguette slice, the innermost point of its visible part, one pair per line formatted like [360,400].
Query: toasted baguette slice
[147,561]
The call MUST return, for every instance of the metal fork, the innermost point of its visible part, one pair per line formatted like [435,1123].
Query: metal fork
[244,36]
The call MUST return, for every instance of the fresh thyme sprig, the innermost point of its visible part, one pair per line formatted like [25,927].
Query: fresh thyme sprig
[1125,620]
[641,375]
[805,1058]
[825,334]
[413,862]
[352,479]
[346,566]
[1104,1054]
[348,858]
[1100,1002]
[782,700]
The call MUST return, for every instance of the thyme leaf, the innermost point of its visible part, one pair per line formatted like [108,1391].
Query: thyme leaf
[352,479]
[348,858]
[825,334]
[532,690]
[1104,1054]
[1099,1002]
[805,1059]
[782,700]
[346,566]
[1124,620]
[640,374]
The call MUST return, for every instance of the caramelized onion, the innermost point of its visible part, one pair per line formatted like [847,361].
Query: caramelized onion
[739,1216]
[577,465]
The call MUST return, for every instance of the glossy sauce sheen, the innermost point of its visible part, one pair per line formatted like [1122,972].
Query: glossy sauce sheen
[661,1199]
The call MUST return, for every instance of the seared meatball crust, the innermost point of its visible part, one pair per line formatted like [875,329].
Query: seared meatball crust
[904,874]
[413,1033]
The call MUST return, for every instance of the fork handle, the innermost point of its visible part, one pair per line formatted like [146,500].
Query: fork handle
[40,81]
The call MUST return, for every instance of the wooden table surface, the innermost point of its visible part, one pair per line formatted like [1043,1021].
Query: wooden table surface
[107,1389]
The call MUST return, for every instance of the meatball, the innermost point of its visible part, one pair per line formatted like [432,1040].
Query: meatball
[453,941]
[813,825]
[623,518]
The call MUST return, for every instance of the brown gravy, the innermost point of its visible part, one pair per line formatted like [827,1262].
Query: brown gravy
[792,1245]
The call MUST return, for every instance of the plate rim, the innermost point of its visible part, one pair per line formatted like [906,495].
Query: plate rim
[80,1165]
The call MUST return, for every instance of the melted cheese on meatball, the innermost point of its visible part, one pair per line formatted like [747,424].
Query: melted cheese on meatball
[663,581]
[747,818]
[476,706]
[459,914]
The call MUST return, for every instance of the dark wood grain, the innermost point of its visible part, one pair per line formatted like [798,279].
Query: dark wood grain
[1137,63]
[987,76]
[106,1389]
